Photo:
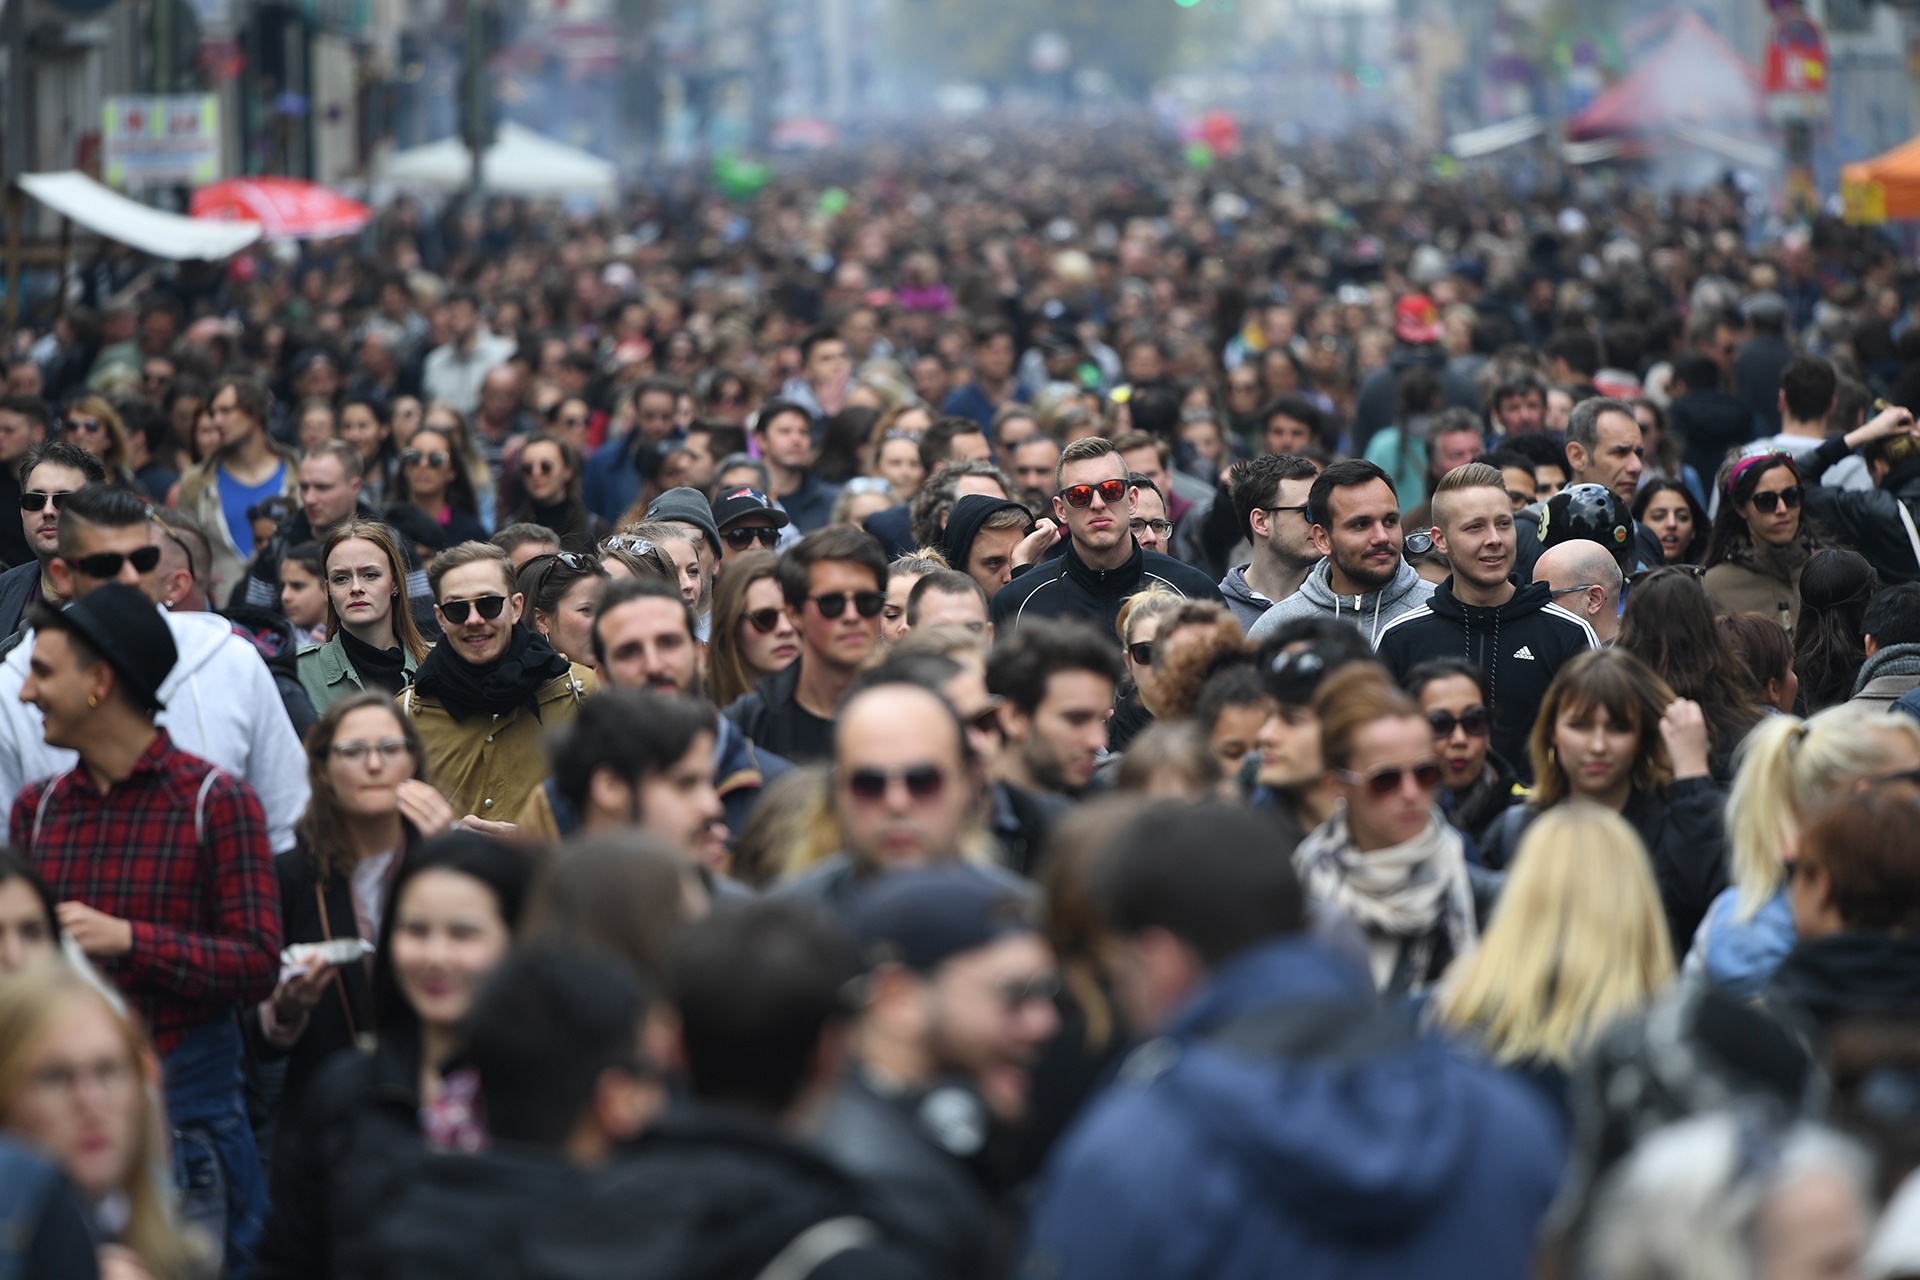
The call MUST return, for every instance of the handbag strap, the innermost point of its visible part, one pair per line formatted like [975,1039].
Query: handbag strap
[339,983]
[1913,535]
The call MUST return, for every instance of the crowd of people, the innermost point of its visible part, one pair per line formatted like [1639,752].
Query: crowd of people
[1015,708]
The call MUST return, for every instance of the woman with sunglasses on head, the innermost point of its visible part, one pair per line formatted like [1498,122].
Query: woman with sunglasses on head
[1610,732]
[1676,517]
[1385,858]
[1476,785]
[1829,646]
[372,641]
[486,697]
[563,593]
[1134,702]
[753,634]
[369,1117]
[550,476]
[1668,624]
[92,423]
[434,478]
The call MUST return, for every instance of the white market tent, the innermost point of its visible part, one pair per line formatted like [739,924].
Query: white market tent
[520,162]
[106,212]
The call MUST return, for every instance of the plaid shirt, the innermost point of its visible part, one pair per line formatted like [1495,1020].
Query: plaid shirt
[206,915]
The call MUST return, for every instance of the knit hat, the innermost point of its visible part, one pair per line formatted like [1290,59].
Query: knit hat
[688,506]
[127,630]
[969,514]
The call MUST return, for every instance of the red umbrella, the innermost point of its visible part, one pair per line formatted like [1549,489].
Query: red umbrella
[289,208]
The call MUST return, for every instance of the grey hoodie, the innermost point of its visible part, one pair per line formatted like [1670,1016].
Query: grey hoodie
[1246,603]
[1370,612]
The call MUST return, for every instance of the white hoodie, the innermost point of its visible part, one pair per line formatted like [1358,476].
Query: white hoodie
[222,705]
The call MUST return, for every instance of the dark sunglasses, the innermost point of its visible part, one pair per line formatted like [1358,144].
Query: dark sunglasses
[34,500]
[1384,782]
[544,467]
[106,564]
[1141,651]
[1416,544]
[413,458]
[923,782]
[867,604]
[1769,501]
[86,425]
[1081,495]
[763,620]
[741,539]
[1474,720]
[456,611]
[1017,993]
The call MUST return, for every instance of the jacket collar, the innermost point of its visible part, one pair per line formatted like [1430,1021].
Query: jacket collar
[1123,581]
[1286,970]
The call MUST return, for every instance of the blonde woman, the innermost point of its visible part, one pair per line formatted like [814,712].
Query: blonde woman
[93,424]
[1579,939]
[1139,626]
[58,1033]
[1787,768]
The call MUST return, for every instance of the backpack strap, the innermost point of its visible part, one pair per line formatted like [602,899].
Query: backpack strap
[1913,535]
[40,810]
[200,807]
[818,1245]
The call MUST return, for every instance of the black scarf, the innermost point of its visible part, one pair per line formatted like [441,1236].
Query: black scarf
[512,680]
[377,668]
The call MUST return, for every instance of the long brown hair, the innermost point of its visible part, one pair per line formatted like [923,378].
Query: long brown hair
[322,829]
[1616,682]
[727,674]
[375,532]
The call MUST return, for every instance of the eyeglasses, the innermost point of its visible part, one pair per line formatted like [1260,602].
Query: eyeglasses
[1017,993]
[35,500]
[741,539]
[1081,495]
[867,604]
[1572,591]
[1474,720]
[1301,508]
[1769,501]
[923,782]
[456,611]
[1164,528]
[1416,544]
[867,484]
[413,458]
[1141,651]
[86,426]
[764,620]
[106,564]
[1384,782]
[390,749]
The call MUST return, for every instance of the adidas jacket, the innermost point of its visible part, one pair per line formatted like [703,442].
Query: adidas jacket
[1065,587]
[1521,645]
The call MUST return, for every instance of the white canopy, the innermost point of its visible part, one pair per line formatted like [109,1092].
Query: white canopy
[1495,137]
[520,162]
[105,211]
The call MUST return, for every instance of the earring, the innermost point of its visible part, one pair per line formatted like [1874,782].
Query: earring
[92,701]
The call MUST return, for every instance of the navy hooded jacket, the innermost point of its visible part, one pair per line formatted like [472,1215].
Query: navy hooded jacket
[1412,1160]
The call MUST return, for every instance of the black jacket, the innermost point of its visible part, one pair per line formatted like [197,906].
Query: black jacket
[769,715]
[1065,587]
[1709,423]
[1868,521]
[1520,645]
[19,588]
[1858,973]
[894,528]
[15,550]
[1021,821]
[1685,834]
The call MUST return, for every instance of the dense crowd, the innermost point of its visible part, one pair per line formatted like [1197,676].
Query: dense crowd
[1021,707]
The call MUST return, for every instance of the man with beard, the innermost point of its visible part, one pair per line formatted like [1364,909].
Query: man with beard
[1269,495]
[1361,577]
[1057,681]
[959,1001]
[48,474]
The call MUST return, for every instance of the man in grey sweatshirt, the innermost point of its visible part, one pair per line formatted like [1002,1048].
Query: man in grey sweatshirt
[1362,577]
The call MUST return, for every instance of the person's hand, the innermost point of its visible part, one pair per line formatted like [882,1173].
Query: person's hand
[295,997]
[1684,730]
[425,808]
[117,1262]
[1032,549]
[1891,421]
[487,827]
[96,932]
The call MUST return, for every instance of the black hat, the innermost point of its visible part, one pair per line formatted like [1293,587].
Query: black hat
[737,504]
[416,526]
[126,629]
[923,917]
[1592,512]
[687,506]
[969,516]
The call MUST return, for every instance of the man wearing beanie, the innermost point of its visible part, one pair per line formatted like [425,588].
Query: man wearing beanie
[980,536]
[160,864]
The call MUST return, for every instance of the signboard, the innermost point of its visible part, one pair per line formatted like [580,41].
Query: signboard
[1796,70]
[157,139]
[1865,202]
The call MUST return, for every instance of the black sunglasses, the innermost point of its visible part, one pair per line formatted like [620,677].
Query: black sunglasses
[413,458]
[1769,501]
[456,611]
[1141,651]
[34,500]
[1081,495]
[763,620]
[867,604]
[923,782]
[1474,720]
[741,539]
[1384,782]
[106,564]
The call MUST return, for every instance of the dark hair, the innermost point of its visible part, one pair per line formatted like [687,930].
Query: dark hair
[525,533]
[33,408]
[1696,371]
[774,408]
[100,506]
[1333,642]
[1154,411]
[1893,616]
[1297,407]
[1730,529]
[936,442]
[322,829]
[1809,383]
[1696,546]
[756,985]
[948,582]
[461,495]
[814,337]
[569,458]
[545,579]
[624,893]
[847,432]
[1865,844]
[1349,473]
[1828,650]
[1425,673]
[15,865]
[1760,642]
[62,454]
[633,733]
[1212,875]
[835,542]
[1021,666]
[1517,384]
[540,1034]
[626,591]
[1540,448]
[1251,483]
[1233,683]
[1668,624]
[1506,456]
[250,396]
[1578,348]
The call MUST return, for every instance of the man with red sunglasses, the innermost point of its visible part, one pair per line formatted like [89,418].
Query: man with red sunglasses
[1100,564]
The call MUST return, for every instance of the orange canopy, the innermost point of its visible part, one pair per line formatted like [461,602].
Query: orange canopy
[1885,188]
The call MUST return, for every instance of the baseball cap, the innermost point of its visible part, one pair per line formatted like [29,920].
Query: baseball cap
[1416,319]
[126,629]
[924,917]
[688,506]
[737,504]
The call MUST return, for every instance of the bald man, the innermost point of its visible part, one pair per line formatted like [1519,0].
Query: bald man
[1586,582]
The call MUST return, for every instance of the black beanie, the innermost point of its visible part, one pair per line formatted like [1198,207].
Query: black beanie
[963,525]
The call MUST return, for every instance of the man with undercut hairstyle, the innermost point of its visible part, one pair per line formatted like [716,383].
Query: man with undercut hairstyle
[48,473]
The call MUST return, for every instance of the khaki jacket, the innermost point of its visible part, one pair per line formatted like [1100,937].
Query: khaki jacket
[200,498]
[489,766]
[1736,588]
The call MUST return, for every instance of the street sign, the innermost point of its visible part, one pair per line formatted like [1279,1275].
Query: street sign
[154,139]
[1796,70]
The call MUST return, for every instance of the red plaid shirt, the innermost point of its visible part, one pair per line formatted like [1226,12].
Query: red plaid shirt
[206,914]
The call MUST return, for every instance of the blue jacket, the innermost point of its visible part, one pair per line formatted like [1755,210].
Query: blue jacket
[1740,956]
[1410,1159]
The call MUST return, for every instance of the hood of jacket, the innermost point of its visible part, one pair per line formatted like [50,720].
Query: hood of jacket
[1235,589]
[1528,598]
[1366,607]
[1365,1150]
[965,522]
[1894,660]
[1858,971]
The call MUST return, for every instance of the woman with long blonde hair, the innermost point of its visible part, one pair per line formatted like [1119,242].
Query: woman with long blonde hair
[1787,768]
[73,1080]
[92,423]
[1578,940]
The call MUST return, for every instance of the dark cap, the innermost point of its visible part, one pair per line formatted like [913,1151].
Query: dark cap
[738,504]
[127,630]
[688,506]
[924,917]
[1591,512]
